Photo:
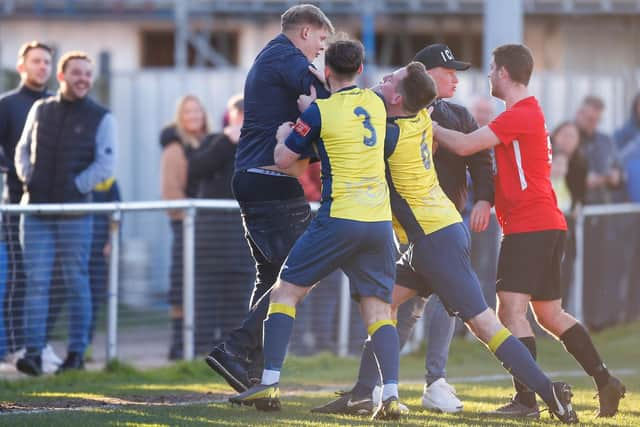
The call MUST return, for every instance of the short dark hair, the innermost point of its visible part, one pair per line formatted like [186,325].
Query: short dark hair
[305,14]
[345,57]
[594,102]
[417,88]
[517,59]
[74,54]
[29,46]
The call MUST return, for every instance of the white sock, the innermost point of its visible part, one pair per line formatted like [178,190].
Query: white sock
[270,377]
[389,390]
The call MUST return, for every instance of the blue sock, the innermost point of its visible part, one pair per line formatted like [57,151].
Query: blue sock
[277,331]
[518,361]
[369,373]
[386,346]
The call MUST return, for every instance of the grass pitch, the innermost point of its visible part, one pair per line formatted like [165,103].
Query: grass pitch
[190,394]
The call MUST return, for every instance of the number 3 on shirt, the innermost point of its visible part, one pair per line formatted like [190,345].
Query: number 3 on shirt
[368,141]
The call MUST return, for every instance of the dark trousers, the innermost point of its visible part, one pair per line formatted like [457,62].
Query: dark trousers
[271,229]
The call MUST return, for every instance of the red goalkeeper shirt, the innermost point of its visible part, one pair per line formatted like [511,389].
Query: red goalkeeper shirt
[524,198]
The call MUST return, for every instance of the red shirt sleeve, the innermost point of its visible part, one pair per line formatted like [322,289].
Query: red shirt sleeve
[508,126]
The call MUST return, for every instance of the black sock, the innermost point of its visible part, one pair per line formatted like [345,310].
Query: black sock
[576,340]
[523,394]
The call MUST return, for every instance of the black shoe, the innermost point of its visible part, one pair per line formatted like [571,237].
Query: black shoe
[73,362]
[562,408]
[232,368]
[609,397]
[346,404]
[264,397]
[30,365]
[388,410]
[515,409]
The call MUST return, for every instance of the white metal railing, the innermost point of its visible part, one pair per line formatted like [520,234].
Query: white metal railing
[190,208]
[577,291]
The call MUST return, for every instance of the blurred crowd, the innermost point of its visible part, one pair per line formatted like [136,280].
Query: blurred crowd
[49,262]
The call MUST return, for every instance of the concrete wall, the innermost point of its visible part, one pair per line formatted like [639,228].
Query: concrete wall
[121,39]
[560,42]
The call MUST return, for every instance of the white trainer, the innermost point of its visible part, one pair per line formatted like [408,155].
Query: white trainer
[440,396]
[376,396]
[50,360]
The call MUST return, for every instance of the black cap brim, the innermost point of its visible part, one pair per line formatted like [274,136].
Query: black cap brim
[456,65]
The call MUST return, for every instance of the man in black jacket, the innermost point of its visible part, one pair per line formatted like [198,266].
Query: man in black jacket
[452,174]
[34,67]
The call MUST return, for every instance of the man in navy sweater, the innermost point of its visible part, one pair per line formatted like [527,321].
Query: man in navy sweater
[274,210]
[34,66]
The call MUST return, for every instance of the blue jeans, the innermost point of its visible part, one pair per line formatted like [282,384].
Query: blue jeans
[42,237]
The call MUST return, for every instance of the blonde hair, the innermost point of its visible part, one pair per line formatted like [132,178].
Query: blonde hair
[305,14]
[186,137]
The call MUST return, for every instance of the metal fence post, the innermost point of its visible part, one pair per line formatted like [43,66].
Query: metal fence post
[112,302]
[344,316]
[188,282]
[578,276]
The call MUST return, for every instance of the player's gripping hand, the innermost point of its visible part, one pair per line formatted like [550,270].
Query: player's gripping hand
[480,214]
[320,76]
[284,130]
[305,100]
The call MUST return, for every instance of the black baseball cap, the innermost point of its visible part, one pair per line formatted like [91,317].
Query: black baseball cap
[439,55]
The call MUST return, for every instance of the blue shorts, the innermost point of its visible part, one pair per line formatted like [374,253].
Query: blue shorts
[439,263]
[365,251]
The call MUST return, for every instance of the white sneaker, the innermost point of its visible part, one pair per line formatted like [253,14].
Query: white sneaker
[440,396]
[50,360]
[376,396]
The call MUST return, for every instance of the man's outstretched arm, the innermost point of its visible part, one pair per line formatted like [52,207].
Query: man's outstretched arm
[465,144]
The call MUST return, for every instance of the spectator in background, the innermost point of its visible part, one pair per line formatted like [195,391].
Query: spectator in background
[34,67]
[67,147]
[212,168]
[106,191]
[604,259]
[604,173]
[568,177]
[180,141]
[482,109]
[627,140]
